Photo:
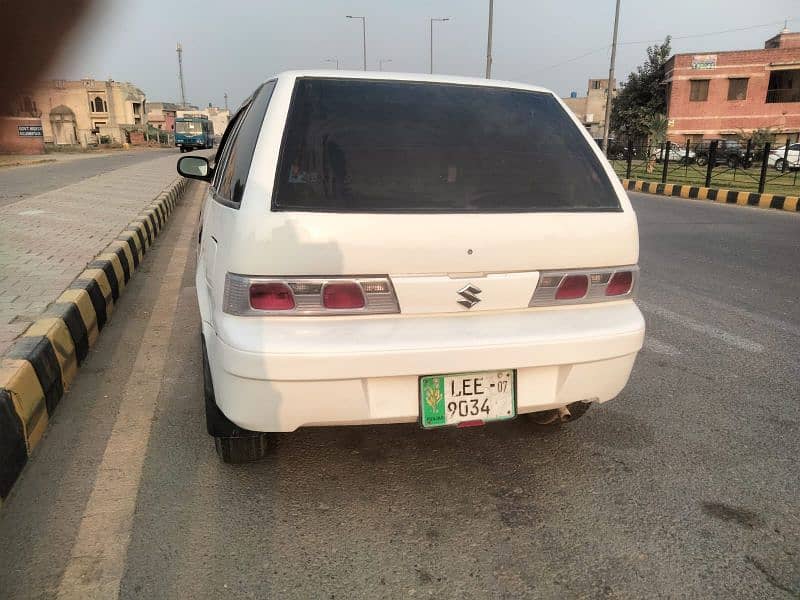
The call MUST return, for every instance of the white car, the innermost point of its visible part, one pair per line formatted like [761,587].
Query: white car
[775,158]
[391,248]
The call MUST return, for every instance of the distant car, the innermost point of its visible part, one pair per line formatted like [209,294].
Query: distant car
[389,248]
[677,154]
[775,158]
[729,152]
[616,150]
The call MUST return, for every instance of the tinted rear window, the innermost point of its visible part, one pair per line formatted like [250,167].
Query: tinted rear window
[386,146]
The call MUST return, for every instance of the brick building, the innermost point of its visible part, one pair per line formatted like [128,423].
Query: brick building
[721,94]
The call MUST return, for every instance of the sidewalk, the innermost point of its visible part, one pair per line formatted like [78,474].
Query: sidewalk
[47,240]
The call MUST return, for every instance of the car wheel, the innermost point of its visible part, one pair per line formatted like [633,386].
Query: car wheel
[557,416]
[182,149]
[779,164]
[237,450]
[732,162]
[233,444]
[702,161]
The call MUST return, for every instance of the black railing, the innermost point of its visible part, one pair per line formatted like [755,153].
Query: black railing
[747,165]
[783,95]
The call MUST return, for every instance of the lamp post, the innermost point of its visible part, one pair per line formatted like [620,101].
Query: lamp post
[609,90]
[432,20]
[364,35]
[489,42]
[333,60]
[381,61]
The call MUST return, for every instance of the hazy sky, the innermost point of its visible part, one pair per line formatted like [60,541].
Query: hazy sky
[232,45]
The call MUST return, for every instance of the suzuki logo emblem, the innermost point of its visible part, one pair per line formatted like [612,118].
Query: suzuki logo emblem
[469,294]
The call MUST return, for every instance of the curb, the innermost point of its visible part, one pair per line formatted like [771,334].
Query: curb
[43,361]
[773,201]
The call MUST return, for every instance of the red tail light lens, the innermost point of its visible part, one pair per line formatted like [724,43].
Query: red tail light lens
[271,296]
[620,284]
[346,295]
[573,287]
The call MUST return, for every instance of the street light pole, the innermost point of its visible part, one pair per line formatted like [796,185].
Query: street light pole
[381,61]
[364,34]
[333,60]
[610,81]
[432,20]
[489,42]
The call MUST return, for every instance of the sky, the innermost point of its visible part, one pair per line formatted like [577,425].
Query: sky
[233,45]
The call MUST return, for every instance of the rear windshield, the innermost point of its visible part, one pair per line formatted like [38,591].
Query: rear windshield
[187,126]
[386,146]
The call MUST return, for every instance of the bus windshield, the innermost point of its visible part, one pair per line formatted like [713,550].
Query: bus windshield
[188,126]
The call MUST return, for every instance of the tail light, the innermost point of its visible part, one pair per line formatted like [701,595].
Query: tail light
[271,296]
[308,296]
[345,295]
[620,284]
[572,287]
[585,286]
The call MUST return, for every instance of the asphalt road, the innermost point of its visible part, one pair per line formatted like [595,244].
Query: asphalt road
[684,486]
[17,183]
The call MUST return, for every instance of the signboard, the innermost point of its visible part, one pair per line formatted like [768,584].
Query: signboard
[704,62]
[29,130]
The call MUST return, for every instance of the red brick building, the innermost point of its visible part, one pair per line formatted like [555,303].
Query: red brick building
[721,94]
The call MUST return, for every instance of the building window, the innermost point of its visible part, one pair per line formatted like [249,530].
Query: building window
[98,105]
[596,84]
[784,86]
[699,90]
[737,88]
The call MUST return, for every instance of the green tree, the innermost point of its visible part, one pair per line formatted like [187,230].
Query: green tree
[643,95]
[656,127]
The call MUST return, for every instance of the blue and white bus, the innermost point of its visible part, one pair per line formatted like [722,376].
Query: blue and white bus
[193,133]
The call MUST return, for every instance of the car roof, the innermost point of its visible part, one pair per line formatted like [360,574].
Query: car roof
[415,77]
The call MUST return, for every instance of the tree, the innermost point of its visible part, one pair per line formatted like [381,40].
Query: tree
[656,127]
[643,95]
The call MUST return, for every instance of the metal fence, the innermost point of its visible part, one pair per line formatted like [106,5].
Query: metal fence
[768,167]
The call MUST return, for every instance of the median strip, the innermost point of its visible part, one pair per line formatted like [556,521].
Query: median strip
[42,363]
[773,201]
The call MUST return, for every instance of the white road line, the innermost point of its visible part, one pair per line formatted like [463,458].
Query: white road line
[97,560]
[655,345]
[720,334]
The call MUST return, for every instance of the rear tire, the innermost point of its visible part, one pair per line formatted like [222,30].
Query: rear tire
[779,164]
[237,450]
[234,444]
[702,161]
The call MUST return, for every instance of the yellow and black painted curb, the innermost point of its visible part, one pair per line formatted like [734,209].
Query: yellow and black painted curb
[41,364]
[775,201]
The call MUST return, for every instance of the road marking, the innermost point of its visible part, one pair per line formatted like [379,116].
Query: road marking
[97,560]
[655,345]
[709,330]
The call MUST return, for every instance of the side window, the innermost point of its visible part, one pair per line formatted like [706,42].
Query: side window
[236,157]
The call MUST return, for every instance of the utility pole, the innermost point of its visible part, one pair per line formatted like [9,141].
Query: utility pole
[333,60]
[489,42]
[179,50]
[609,91]
[441,19]
[364,34]
[226,100]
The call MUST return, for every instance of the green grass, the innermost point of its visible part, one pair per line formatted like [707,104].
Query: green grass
[746,180]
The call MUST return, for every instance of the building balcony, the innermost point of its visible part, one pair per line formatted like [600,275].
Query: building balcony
[783,95]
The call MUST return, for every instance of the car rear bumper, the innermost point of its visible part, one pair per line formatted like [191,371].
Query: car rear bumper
[288,373]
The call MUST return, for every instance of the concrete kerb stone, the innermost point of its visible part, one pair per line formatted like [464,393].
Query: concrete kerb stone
[722,196]
[41,364]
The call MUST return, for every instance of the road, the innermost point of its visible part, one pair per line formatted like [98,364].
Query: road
[17,183]
[684,486]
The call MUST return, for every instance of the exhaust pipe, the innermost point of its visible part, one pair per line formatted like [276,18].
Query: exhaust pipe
[564,415]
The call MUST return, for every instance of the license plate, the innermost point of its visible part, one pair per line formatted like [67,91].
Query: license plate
[467,397]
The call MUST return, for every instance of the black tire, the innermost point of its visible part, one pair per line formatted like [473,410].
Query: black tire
[702,160]
[237,450]
[182,149]
[550,418]
[732,162]
[233,443]
[779,164]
